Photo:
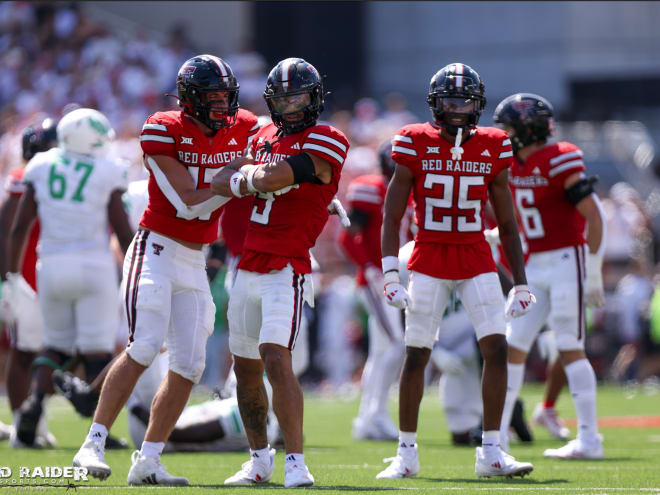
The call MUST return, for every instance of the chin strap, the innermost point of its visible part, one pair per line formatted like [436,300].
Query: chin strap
[457,150]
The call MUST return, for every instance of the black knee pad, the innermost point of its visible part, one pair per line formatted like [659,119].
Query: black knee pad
[55,360]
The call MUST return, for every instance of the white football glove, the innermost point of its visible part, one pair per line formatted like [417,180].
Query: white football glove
[336,208]
[447,361]
[594,294]
[492,237]
[395,293]
[286,189]
[17,297]
[547,346]
[519,302]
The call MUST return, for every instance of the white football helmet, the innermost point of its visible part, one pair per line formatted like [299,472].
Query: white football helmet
[85,131]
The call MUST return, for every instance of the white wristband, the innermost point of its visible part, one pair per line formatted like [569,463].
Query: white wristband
[235,184]
[250,177]
[391,276]
[390,263]
[520,288]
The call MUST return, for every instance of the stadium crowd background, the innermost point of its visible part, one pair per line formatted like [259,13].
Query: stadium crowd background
[56,56]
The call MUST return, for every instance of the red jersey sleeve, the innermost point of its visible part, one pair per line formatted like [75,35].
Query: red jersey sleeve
[565,163]
[364,197]
[505,153]
[327,143]
[403,148]
[159,135]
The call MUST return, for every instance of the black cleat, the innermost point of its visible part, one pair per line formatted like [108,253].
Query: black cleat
[77,391]
[519,424]
[29,415]
[112,443]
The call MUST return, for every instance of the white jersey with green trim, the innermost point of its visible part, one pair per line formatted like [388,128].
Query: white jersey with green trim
[72,192]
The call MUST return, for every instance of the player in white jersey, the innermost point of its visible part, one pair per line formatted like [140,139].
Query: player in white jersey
[76,194]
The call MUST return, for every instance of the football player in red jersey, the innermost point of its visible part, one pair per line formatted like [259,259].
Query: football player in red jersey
[555,199]
[453,167]
[361,243]
[302,162]
[167,294]
[25,332]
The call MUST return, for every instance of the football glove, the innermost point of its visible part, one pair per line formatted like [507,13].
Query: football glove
[594,294]
[336,208]
[492,237]
[395,293]
[547,346]
[519,302]
[17,297]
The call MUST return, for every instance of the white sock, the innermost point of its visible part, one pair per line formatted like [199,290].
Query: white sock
[98,433]
[261,455]
[582,384]
[407,439]
[490,442]
[515,376]
[152,449]
[294,459]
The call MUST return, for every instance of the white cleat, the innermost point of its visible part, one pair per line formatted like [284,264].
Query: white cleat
[577,449]
[149,471]
[500,465]
[404,465]
[5,431]
[548,418]
[386,427]
[297,475]
[92,456]
[254,471]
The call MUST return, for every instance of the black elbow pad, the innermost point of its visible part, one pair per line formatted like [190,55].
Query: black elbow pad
[581,189]
[303,169]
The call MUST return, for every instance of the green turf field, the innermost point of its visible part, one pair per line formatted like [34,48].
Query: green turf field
[632,464]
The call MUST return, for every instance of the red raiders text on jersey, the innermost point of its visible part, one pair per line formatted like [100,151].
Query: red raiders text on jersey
[283,228]
[549,219]
[174,134]
[450,195]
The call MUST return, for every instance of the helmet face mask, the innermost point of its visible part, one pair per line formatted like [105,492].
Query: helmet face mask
[84,131]
[528,118]
[38,137]
[208,91]
[294,95]
[456,97]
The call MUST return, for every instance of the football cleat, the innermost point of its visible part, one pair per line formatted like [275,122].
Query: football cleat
[297,475]
[255,470]
[78,392]
[92,456]
[29,415]
[500,465]
[577,449]
[5,431]
[548,418]
[149,471]
[404,465]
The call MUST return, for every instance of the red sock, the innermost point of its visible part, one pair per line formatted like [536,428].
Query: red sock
[549,404]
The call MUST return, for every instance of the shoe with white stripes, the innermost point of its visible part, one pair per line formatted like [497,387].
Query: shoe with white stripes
[578,449]
[500,465]
[149,471]
[404,465]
